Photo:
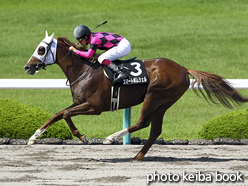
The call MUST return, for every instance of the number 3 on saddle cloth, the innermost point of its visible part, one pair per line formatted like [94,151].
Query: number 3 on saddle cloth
[136,75]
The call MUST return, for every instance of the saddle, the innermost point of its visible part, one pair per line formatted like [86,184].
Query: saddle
[134,68]
[136,75]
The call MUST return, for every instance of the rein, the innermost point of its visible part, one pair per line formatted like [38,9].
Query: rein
[43,64]
[80,77]
[67,81]
[65,56]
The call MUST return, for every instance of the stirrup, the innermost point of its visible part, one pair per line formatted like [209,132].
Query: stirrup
[118,79]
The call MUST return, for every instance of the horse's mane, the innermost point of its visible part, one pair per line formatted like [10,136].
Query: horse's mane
[68,43]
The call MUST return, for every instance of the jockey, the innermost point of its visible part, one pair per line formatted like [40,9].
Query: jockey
[116,47]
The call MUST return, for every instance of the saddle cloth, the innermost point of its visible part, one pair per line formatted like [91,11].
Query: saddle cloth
[136,75]
[134,68]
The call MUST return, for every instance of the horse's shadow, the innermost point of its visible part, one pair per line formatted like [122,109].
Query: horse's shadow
[172,159]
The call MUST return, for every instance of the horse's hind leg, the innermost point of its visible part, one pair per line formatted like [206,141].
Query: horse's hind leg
[156,128]
[144,121]
[149,106]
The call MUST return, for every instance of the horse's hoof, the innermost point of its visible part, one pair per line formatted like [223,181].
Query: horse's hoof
[139,157]
[31,142]
[107,141]
[83,138]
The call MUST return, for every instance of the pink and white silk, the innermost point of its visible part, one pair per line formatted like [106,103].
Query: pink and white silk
[116,46]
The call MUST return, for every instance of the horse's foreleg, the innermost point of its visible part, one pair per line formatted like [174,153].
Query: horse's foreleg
[73,110]
[56,117]
[75,132]
[83,109]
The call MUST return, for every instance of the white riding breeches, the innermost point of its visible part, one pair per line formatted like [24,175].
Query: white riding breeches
[119,51]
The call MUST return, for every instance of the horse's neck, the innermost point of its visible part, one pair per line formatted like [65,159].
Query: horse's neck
[72,66]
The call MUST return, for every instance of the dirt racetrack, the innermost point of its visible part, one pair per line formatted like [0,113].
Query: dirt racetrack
[73,165]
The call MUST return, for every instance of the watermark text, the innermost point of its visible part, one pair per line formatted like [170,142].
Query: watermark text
[197,176]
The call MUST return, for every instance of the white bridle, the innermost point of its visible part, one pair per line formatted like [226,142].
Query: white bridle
[50,45]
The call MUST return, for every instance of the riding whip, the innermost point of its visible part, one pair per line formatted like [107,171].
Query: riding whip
[99,25]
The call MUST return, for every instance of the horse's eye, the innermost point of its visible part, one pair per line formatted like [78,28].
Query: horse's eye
[41,50]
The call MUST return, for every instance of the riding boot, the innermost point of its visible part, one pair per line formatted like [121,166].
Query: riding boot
[121,74]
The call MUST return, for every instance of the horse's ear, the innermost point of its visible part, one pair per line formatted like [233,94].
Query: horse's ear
[46,34]
[52,36]
[48,39]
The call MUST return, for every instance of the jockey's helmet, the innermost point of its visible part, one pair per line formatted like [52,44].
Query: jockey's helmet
[81,31]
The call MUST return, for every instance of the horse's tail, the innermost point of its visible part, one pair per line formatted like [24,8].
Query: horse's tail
[217,89]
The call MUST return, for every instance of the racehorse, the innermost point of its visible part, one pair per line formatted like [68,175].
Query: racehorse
[90,89]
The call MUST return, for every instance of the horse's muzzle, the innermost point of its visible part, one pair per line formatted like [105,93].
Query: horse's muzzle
[30,69]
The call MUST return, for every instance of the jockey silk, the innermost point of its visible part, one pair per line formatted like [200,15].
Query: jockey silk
[102,41]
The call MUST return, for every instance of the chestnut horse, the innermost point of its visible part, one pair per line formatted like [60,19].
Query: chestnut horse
[168,81]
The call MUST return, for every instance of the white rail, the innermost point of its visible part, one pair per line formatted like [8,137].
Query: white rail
[61,83]
[236,83]
[33,84]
